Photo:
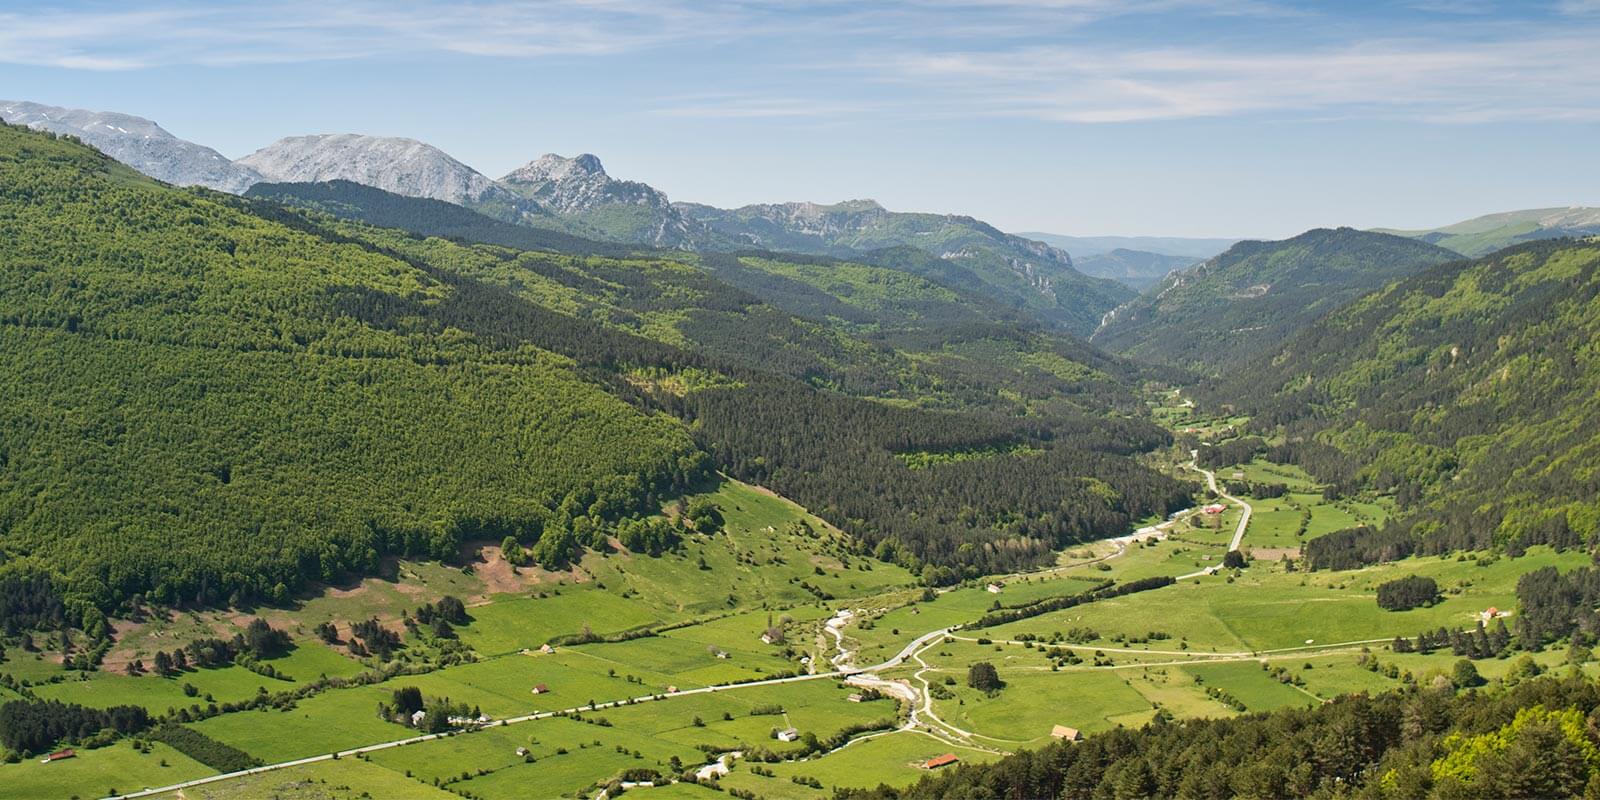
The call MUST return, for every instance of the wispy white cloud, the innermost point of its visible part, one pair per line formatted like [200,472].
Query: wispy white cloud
[1040,59]
[732,105]
[1548,77]
[220,34]
[230,33]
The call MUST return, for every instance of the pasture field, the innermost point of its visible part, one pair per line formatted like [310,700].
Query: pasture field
[102,689]
[893,758]
[1172,688]
[31,667]
[1023,713]
[330,721]
[513,624]
[96,773]
[1251,684]
[345,779]
[1265,608]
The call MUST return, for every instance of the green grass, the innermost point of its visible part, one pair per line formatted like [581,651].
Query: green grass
[345,779]
[95,773]
[102,689]
[325,723]
[893,759]
[1032,702]
[1267,608]
[508,626]
[1251,684]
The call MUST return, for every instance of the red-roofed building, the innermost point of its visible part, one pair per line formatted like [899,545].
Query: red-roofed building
[940,761]
[59,755]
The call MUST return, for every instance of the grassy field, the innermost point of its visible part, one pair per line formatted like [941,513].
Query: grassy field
[1266,608]
[1017,715]
[97,773]
[895,759]
[345,779]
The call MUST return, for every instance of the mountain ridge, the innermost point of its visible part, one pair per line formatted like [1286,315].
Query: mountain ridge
[1234,306]
[1482,235]
[137,142]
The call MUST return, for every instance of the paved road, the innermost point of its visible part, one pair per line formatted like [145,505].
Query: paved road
[1211,481]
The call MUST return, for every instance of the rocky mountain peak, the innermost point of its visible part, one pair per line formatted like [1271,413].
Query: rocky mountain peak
[392,163]
[138,142]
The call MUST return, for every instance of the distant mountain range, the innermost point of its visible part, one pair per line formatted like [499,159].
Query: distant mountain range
[394,164]
[576,202]
[1491,232]
[1247,300]
[575,196]
[1019,272]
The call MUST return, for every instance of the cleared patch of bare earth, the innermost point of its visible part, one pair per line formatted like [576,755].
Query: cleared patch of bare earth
[1274,553]
[499,577]
[342,604]
[140,640]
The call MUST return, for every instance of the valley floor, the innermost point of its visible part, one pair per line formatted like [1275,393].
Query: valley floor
[1215,642]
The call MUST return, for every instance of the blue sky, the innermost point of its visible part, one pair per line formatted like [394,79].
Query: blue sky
[1159,117]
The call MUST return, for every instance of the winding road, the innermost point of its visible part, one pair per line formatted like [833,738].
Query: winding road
[1244,518]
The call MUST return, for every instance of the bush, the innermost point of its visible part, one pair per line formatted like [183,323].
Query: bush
[983,677]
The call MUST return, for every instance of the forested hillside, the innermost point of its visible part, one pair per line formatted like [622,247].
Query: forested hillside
[1052,446]
[187,412]
[210,399]
[1469,390]
[924,333]
[426,216]
[1247,300]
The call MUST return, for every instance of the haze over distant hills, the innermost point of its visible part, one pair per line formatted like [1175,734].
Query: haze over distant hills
[1135,261]
[1486,234]
[1136,269]
[1165,245]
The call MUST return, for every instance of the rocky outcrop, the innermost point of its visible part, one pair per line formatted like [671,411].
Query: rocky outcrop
[137,142]
[394,164]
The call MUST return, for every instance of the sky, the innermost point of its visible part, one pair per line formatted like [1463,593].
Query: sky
[1257,118]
